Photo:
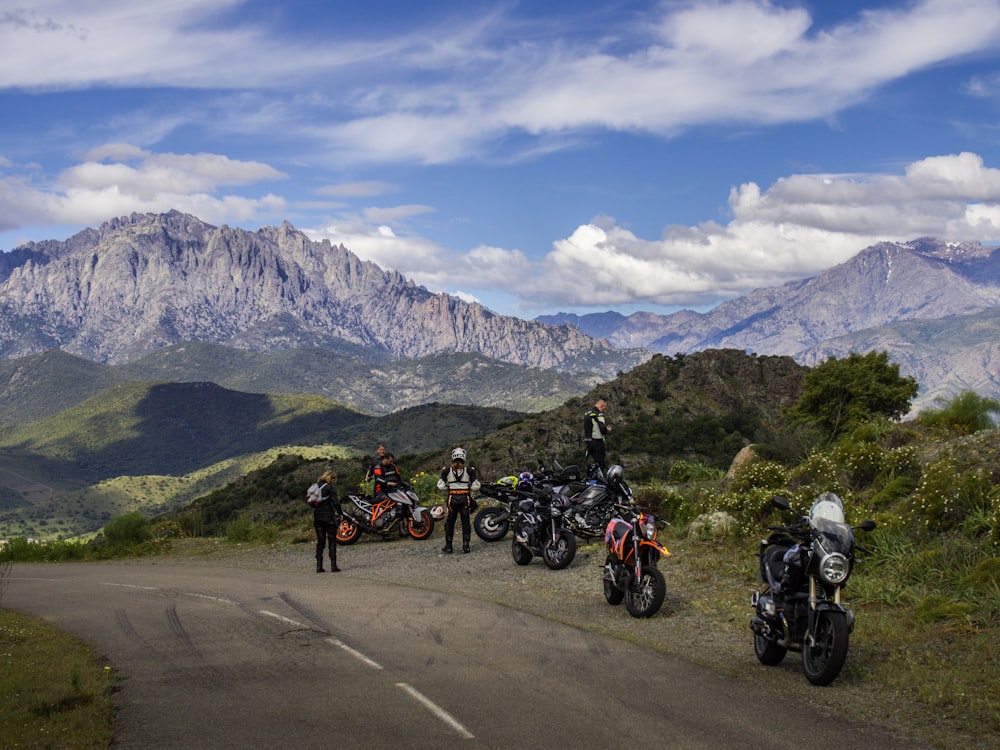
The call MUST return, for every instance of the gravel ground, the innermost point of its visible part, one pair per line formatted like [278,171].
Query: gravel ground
[704,618]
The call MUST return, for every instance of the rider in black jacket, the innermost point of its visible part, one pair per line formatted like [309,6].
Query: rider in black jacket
[326,517]
[595,427]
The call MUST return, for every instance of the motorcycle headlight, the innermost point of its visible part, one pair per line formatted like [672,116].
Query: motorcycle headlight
[647,526]
[834,568]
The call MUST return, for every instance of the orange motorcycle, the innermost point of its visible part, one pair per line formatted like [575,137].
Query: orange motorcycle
[630,571]
[399,510]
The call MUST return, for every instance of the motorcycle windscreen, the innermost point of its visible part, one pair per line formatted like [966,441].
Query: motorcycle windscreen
[833,536]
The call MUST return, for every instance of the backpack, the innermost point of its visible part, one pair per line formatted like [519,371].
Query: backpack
[313,494]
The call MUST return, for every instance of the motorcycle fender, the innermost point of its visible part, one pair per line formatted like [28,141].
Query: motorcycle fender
[418,513]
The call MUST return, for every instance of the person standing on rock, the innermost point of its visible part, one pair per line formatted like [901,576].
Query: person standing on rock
[595,427]
[459,483]
[326,518]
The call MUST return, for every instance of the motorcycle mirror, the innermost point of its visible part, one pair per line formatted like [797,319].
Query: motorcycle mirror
[780,503]
[868,525]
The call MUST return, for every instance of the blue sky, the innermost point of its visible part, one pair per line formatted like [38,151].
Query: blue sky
[536,157]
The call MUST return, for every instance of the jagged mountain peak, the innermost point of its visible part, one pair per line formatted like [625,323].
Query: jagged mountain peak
[144,281]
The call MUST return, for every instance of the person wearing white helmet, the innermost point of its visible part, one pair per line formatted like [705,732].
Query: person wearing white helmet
[459,482]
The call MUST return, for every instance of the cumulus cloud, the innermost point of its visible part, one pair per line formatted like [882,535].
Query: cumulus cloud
[798,227]
[118,179]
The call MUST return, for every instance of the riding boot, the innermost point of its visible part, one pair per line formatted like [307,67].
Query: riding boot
[319,565]
[333,564]
[465,544]
[447,545]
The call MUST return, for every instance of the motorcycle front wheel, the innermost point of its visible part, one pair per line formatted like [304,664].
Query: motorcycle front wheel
[824,656]
[347,531]
[559,553]
[645,596]
[489,527]
[421,529]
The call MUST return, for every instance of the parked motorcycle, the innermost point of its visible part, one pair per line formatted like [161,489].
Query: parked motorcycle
[630,569]
[592,507]
[492,522]
[400,508]
[803,569]
[539,530]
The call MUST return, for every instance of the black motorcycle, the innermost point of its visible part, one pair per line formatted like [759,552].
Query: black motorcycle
[538,527]
[592,506]
[492,522]
[803,569]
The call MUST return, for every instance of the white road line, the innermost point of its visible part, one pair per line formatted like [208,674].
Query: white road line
[284,619]
[210,598]
[130,586]
[435,709]
[356,654]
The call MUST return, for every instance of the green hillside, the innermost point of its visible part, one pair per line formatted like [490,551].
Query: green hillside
[152,446]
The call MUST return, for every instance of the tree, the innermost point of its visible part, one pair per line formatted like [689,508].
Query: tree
[841,393]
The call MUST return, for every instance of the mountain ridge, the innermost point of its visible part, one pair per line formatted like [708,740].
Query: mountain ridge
[142,282]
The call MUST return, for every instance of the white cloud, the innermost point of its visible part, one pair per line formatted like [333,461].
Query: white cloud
[459,89]
[800,226]
[119,179]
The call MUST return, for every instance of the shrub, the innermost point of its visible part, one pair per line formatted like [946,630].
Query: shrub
[760,475]
[131,528]
[967,412]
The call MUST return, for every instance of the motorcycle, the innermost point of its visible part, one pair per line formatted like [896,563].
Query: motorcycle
[492,522]
[630,569]
[539,530]
[592,507]
[398,509]
[803,568]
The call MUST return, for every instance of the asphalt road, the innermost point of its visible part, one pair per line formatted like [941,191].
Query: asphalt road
[219,657]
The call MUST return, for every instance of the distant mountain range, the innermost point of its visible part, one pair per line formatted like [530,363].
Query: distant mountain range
[932,305]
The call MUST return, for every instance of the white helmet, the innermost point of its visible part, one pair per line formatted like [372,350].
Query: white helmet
[458,454]
[828,506]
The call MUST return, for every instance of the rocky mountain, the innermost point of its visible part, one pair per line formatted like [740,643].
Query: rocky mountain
[879,299]
[143,282]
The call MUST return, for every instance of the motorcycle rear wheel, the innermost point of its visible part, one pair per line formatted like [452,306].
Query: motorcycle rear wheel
[823,660]
[488,526]
[646,594]
[560,553]
[768,652]
[421,529]
[521,554]
[347,531]
[612,593]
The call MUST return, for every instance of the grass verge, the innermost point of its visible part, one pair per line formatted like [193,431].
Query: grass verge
[54,693]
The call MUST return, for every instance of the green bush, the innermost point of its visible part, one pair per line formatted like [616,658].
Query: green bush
[760,475]
[945,497]
[967,412]
[127,529]
[243,530]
